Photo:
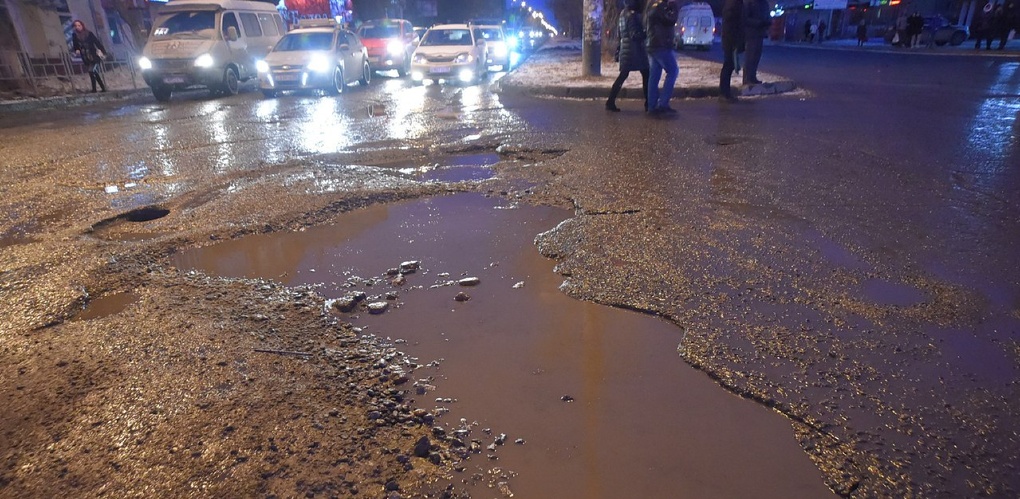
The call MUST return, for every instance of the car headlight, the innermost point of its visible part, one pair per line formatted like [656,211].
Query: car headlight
[204,61]
[395,47]
[319,64]
[511,41]
[144,63]
[261,66]
[462,58]
[419,59]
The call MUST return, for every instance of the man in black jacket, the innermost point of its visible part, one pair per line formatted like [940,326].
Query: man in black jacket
[660,20]
[757,20]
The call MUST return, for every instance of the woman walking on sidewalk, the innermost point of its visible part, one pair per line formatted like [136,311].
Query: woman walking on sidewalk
[87,46]
[632,52]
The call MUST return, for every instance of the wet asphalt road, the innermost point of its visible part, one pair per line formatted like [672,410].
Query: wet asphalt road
[845,255]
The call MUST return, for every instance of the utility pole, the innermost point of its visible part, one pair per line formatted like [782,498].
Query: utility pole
[591,39]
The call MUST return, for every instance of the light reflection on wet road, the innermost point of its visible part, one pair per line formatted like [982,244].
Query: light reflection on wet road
[846,256]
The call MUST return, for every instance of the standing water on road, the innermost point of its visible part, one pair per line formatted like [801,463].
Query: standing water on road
[593,401]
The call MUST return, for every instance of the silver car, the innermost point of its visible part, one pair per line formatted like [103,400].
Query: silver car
[327,58]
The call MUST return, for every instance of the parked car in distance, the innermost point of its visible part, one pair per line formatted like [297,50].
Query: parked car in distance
[695,26]
[390,44]
[497,50]
[208,43]
[317,55]
[944,32]
[448,53]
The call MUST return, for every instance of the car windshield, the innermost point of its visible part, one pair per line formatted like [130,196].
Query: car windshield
[492,34]
[200,24]
[379,31]
[304,41]
[447,37]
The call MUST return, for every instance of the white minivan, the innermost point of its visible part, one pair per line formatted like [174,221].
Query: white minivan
[208,43]
[695,26]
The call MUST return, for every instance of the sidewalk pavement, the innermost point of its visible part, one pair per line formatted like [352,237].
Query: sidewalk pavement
[555,71]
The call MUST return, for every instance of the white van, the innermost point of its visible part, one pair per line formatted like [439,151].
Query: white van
[695,26]
[208,43]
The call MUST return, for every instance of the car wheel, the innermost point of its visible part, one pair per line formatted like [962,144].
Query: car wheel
[404,68]
[957,38]
[366,74]
[162,94]
[339,83]
[230,82]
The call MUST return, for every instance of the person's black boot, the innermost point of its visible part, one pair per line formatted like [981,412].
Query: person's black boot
[611,106]
[92,78]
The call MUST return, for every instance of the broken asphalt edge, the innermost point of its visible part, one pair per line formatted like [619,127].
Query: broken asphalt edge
[690,92]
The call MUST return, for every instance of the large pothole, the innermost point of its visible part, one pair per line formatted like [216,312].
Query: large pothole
[593,401]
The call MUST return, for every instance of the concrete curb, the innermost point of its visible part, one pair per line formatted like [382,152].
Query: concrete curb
[62,101]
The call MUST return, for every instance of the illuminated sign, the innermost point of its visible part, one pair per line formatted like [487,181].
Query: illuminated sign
[830,4]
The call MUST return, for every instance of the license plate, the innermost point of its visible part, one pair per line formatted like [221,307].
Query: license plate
[173,79]
[440,69]
[287,77]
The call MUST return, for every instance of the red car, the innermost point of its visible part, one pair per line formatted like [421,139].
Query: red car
[390,43]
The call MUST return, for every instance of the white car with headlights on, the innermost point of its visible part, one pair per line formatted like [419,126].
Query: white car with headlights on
[207,43]
[497,49]
[450,53]
[323,57]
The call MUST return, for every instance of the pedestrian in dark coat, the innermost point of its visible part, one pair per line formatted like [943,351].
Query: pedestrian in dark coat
[86,45]
[632,52]
[660,21]
[732,43]
[915,26]
[981,28]
[757,20]
[1002,22]
[862,33]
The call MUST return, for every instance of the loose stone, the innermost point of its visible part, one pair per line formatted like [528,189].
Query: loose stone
[469,281]
[378,307]
[462,296]
[422,447]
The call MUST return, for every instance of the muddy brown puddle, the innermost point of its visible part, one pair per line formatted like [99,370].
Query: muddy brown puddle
[636,422]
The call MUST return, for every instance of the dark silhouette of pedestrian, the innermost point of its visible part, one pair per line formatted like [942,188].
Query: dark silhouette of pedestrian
[900,37]
[1002,22]
[915,26]
[632,52]
[981,28]
[732,43]
[86,45]
[660,21]
[757,20]
[807,30]
[862,33]
[821,31]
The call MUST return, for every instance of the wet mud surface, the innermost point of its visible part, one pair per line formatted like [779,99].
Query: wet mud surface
[865,294]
